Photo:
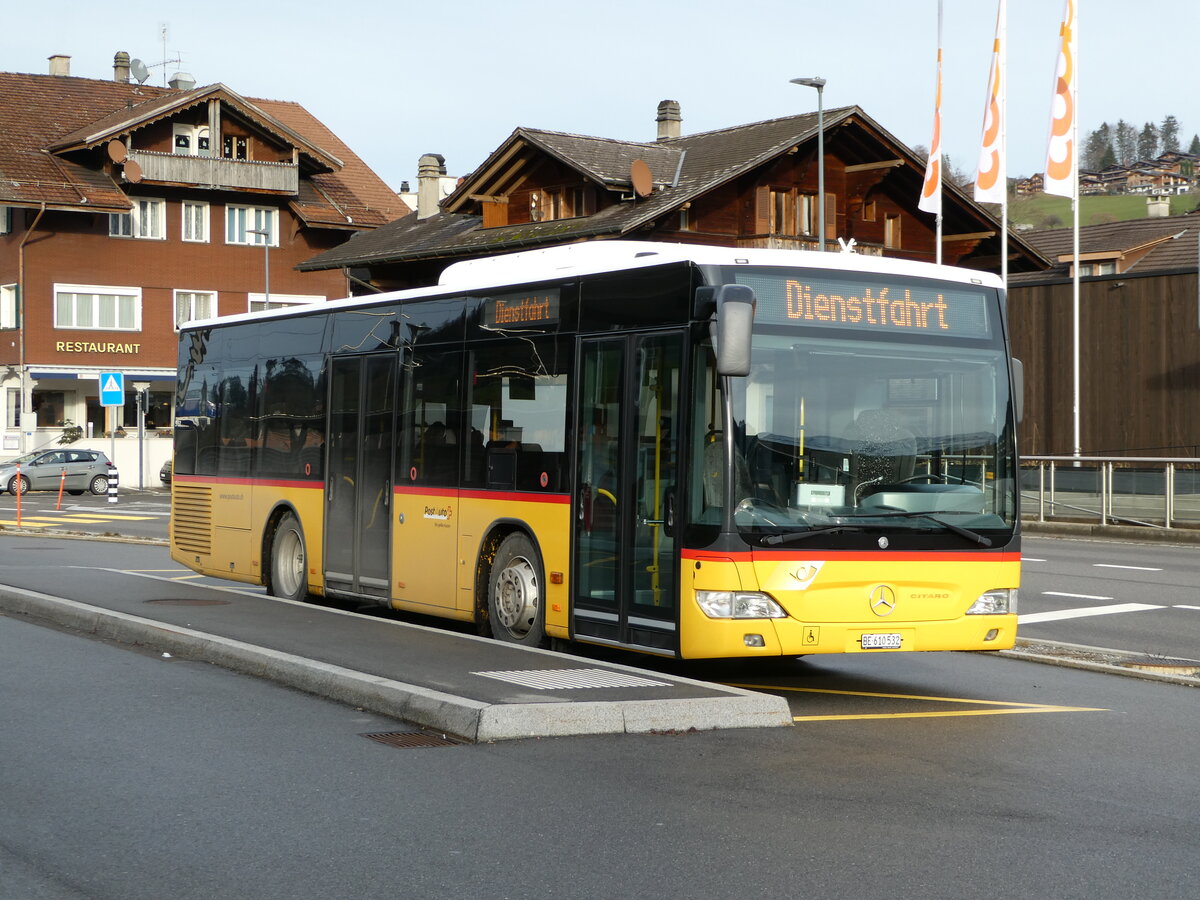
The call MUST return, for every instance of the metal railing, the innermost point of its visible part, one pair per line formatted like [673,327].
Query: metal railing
[1154,491]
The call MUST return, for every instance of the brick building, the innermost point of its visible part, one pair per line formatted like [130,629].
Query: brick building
[126,209]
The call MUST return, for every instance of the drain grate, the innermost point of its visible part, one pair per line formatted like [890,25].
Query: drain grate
[412,740]
[571,679]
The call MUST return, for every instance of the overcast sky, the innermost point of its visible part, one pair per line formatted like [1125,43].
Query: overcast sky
[396,79]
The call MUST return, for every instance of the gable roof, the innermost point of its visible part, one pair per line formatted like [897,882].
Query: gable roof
[1152,246]
[682,169]
[44,118]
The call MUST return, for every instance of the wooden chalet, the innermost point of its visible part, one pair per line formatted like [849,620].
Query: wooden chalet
[751,185]
[127,209]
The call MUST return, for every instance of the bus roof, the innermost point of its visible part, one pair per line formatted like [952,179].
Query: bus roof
[597,257]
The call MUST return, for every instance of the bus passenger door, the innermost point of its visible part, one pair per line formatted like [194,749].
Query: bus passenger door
[358,491]
[625,581]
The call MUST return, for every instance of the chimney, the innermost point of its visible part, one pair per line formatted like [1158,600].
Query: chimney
[668,120]
[1158,206]
[60,64]
[121,67]
[182,81]
[430,169]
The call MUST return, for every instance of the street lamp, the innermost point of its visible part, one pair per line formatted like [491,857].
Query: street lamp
[819,84]
[265,234]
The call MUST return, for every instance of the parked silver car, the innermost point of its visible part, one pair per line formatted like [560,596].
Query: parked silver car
[43,470]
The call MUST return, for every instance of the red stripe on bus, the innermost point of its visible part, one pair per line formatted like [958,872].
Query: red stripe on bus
[265,482]
[850,556]
[506,496]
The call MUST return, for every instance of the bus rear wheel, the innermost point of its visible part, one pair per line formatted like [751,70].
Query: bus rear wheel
[289,560]
[516,605]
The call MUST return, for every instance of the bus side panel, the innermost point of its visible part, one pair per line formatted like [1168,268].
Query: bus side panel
[217,525]
[546,517]
[425,527]
[307,500]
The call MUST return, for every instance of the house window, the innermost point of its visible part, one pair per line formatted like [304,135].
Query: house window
[583,201]
[242,221]
[145,220]
[99,308]
[193,305]
[234,147]
[869,210]
[51,407]
[13,408]
[891,231]
[259,302]
[5,219]
[190,140]
[8,306]
[195,222]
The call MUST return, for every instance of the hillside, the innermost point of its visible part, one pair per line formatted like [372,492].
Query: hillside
[1050,211]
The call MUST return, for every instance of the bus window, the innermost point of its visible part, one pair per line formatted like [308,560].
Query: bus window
[292,430]
[430,423]
[518,415]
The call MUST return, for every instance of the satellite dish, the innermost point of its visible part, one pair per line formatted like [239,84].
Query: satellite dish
[133,172]
[640,178]
[117,152]
[139,70]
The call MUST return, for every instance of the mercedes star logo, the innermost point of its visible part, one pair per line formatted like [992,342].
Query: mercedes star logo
[883,600]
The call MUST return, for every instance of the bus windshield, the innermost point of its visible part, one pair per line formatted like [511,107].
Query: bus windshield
[884,427]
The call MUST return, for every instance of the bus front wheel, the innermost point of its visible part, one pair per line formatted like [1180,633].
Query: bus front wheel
[289,561]
[515,598]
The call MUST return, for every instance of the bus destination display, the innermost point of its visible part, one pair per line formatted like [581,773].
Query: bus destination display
[798,298]
[526,309]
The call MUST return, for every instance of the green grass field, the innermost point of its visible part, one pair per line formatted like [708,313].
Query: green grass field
[1050,211]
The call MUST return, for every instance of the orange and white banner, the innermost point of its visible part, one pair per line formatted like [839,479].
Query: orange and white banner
[991,174]
[931,189]
[1061,155]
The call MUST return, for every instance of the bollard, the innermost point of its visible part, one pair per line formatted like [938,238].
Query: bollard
[112,484]
[62,480]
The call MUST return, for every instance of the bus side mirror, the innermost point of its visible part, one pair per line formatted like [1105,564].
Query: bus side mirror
[735,324]
[1018,376]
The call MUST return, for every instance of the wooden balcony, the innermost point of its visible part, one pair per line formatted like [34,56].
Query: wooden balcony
[217,173]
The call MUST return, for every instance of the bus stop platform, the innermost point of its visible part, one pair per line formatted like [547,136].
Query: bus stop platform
[468,687]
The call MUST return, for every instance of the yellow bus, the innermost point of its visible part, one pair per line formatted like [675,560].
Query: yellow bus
[688,451]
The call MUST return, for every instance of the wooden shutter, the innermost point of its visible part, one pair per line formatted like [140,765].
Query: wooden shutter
[762,210]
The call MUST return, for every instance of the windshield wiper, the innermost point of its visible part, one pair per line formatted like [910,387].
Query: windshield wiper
[974,536]
[793,537]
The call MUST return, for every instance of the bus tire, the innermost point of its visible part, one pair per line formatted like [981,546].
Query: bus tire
[516,598]
[289,560]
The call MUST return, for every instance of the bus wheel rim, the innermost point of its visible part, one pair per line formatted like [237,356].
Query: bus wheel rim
[517,596]
[291,562]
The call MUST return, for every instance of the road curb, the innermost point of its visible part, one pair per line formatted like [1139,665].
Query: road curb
[460,716]
[1137,533]
[1092,659]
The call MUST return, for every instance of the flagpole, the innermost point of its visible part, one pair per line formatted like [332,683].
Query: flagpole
[1075,324]
[940,168]
[1004,144]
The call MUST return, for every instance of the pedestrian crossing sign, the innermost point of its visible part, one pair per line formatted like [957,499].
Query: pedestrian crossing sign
[112,388]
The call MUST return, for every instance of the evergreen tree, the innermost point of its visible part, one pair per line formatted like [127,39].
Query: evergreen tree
[1147,144]
[1126,143]
[1194,148]
[1097,146]
[1169,134]
[1109,158]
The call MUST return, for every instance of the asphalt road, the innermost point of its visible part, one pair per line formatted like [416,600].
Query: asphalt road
[1143,598]
[130,775]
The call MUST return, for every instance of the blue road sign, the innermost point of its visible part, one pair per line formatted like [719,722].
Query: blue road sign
[112,388]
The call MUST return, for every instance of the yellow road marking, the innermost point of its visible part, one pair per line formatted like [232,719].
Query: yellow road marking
[1008,707]
[25,522]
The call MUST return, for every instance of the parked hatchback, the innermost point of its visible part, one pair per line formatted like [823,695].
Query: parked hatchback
[44,470]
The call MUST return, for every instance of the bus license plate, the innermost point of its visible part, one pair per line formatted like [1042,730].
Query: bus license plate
[881,641]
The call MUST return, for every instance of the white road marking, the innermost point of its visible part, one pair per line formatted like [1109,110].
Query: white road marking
[1031,559]
[1185,606]
[1135,568]
[1084,612]
[1074,596]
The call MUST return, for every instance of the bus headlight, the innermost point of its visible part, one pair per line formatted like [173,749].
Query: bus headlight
[1000,601]
[739,605]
